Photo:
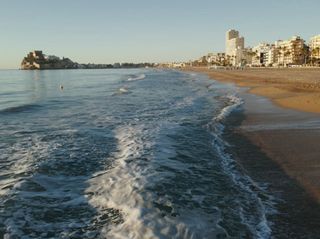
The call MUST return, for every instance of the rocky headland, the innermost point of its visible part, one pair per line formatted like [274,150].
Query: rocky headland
[36,60]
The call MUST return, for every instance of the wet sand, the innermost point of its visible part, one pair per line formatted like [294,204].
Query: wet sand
[279,148]
[297,214]
[287,135]
[295,88]
[290,138]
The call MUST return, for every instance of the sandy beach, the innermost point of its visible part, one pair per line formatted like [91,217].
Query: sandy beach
[290,134]
[295,88]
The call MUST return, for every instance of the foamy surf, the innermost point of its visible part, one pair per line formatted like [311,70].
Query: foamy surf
[91,165]
[125,188]
[123,90]
[139,77]
[25,155]
[257,222]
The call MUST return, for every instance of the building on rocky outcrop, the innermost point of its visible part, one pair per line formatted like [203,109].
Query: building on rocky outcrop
[36,60]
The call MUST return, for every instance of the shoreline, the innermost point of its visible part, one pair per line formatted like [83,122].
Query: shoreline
[287,135]
[293,88]
[297,214]
[278,148]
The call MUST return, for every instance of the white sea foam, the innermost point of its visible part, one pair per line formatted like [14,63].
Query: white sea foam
[146,175]
[123,90]
[235,102]
[22,159]
[257,224]
[58,195]
[120,187]
[124,188]
[139,77]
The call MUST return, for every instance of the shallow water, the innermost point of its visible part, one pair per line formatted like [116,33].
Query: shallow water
[122,154]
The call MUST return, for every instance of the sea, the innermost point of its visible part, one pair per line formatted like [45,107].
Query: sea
[126,153]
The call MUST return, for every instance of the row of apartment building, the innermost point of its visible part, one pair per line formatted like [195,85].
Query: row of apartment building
[282,53]
[293,51]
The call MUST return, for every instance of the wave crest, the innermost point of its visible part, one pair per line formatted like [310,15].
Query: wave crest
[139,77]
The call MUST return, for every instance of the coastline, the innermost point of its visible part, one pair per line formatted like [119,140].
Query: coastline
[297,213]
[293,88]
[278,148]
[288,137]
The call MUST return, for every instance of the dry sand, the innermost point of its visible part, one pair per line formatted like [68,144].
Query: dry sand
[295,150]
[295,88]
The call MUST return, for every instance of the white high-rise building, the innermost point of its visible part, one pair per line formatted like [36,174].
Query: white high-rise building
[291,52]
[263,55]
[234,46]
[315,47]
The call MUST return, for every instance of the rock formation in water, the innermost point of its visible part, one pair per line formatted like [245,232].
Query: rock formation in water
[36,60]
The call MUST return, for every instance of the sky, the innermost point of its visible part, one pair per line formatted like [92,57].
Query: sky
[103,31]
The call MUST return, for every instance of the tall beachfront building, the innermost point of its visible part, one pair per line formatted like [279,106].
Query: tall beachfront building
[233,42]
[264,54]
[234,47]
[291,52]
[315,47]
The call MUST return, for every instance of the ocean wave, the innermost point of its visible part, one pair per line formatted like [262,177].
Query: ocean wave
[183,103]
[115,171]
[20,161]
[122,91]
[139,77]
[127,189]
[120,188]
[41,200]
[234,103]
[256,218]
[20,108]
